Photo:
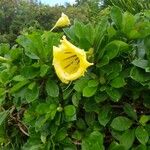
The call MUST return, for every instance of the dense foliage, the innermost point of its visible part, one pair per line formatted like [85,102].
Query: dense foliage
[108,108]
[15,16]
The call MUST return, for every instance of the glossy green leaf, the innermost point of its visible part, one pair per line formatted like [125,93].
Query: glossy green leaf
[141,63]
[127,139]
[61,134]
[115,47]
[129,110]
[114,94]
[128,22]
[116,16]
[43,70]
[121,123]
[141,135]
[80,84]
[70,112]
[139,75]
[104,115]
[93,141]
[93,83]
[18,86]
[118,82]
[52,88]
[144,119]
[32,95]
[89,91]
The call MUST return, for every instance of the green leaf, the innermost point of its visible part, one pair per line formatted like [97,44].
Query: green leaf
[43,70]
[18,78]
[93,142]
[141,135]
[18,86]
[2,92]
[77,135]
[93,83]
[4,48]
[141,147]
[2,95]
[115,94]
[117,147]
[15,53]
[67,93]
[144,119]
[41,120]
[42,108]
[104,61]
[29,72]
[118,82]
[49,39]
[90,106]
[116,134]
[32,85]
[141,63]
[129,110]
[32,95]
[80,84]
[121,123]
[100,35]
[139,75]
[90,118]
[104,115]
[115,47]
[111,32]
[70,113]
[116,16]
[52,88]
[76,97]
[127,139]
[28,44]
[89,91]
[52,111]
[81,124]
[111,50]
[84,43]
[128,22]
[100,97]
[3,116]
[61,134]
[82,33]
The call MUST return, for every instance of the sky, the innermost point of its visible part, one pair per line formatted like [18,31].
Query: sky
[60,2]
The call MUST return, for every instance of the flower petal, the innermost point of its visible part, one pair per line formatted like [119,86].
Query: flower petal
[69,61]
[63,21]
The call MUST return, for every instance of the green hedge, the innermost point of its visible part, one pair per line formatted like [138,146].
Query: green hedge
[108,108]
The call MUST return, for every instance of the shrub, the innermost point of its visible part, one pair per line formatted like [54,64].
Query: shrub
[108,108]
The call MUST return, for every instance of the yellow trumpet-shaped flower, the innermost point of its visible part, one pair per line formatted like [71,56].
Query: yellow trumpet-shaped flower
[62,21]
[69,61]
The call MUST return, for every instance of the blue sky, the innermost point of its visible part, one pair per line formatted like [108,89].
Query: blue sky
[53,2]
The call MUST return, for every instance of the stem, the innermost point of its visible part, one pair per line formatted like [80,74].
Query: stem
[53,28]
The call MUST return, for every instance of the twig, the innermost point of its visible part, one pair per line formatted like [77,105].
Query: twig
[21,129]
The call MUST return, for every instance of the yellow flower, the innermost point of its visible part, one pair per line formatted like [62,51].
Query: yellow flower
[62,21]
[69,61]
